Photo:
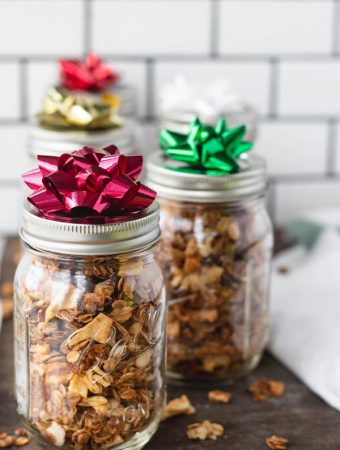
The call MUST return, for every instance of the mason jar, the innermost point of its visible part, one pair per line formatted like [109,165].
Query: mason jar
[90,318]
[45,141]
[215,252]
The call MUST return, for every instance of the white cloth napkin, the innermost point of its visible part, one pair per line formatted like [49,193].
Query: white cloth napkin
[305,315]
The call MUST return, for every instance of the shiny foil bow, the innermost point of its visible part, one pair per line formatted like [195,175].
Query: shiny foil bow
[64,110]
[208,150]
[91,74]
[88,186]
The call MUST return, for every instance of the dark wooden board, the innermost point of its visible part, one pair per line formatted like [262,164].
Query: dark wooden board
[300,416]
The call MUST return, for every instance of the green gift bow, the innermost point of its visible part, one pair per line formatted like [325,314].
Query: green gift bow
[205,149]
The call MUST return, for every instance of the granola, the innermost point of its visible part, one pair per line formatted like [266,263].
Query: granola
[277,443]
[6,292]
[205,430]
[96,350]
[178,406]
[264,388]
[19,439]
[218,396]
[216,263]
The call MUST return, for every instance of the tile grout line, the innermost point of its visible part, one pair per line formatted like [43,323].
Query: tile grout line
[335,28]
[150,91]
[246,58]
[87,26]
[297,119]
[331,148]
[23,89]
[214,27]
[274,88]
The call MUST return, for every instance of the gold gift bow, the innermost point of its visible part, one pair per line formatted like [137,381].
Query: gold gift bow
[63,109]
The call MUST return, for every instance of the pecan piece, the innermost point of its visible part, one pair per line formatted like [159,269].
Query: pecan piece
[277,443]
[264,388]
[205,430]
[20,441]
[218,396]
[177,406]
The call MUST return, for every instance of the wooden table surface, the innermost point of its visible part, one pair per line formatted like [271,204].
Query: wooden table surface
[305,420]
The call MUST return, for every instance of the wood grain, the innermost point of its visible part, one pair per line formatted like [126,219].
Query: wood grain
[300,416]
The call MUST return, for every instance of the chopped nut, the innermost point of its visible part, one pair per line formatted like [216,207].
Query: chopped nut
[277,443]
[178,406]
[131,268]
[73,356]
[121,311]
[20,441]
[191,264]
[6,289]
[7,307]
[143,360]
[264,388]
[218,396]
[56,434]
[205,430]
[283,270]
[6,441]
[78,384]
[99,329]
[233,231]
[81,437]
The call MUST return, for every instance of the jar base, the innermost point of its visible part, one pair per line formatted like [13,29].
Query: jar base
[137,442]
[200,380]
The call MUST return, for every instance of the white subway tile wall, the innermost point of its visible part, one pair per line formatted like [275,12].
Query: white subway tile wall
[291,148]
[35,27]
[10,90]
[275,27]
[296,197]
[150,27]
[309,87]
[283,56]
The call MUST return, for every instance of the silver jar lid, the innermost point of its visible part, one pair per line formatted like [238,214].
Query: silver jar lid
[43,141]
[172,184]
[137,233]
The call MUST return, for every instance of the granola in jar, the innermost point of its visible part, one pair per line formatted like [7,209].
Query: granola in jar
[89,333]
[215,253]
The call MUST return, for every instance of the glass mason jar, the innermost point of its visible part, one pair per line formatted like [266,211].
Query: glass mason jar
[215,252]
[45,141]
[90,318]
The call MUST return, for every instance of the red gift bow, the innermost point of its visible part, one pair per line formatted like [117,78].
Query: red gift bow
[88,186]
[92,74]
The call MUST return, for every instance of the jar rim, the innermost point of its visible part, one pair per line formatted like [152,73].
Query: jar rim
[190,187]
[50,142]
[138,233]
